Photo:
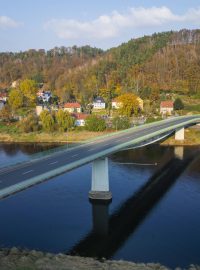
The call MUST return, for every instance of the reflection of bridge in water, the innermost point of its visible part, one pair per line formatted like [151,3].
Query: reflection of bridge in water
[109,233]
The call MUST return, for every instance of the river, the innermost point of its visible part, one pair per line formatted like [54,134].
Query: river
[154,215]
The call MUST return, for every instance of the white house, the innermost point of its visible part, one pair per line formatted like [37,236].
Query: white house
[73,107]
[80,119]
[166,107]
[116,104]
[99,103]
[44,95]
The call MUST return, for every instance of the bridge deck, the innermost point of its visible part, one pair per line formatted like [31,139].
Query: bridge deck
[21,176]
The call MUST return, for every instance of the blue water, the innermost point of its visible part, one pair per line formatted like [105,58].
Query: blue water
[56,215]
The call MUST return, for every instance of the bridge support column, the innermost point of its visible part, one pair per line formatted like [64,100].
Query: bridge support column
[100,180]
[179,134]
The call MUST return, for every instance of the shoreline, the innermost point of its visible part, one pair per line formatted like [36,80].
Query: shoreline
[15,259]
[192,137]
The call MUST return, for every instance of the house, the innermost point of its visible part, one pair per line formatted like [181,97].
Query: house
[73,107]
[99,103]
[80,119]
[2,104]
[3,96]
[44,96]
[166,107]
[116,104]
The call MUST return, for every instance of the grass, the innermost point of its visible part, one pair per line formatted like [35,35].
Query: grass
[192,137]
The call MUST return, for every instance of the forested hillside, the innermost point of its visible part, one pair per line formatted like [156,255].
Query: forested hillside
[165,62]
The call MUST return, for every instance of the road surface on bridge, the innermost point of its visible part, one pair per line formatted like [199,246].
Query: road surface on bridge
[23,175]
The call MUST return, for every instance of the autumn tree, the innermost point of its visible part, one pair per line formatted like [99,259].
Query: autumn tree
[64,120]
[29,124]
[129,104]
[47,120]
[29,90]
[15,99]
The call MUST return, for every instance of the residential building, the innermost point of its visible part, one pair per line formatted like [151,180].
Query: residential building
[166,107]
[73,107]
[44,96]
[80,119]
[99,103]
[3,96]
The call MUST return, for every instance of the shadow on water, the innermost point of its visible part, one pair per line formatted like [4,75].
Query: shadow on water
[109,233]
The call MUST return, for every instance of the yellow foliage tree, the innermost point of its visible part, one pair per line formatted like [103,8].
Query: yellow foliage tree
[129,104]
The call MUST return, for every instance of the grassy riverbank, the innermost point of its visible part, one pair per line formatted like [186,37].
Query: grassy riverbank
[12,134]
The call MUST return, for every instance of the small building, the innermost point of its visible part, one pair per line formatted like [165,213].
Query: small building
[3,96]
[80,119]
[2,104]
[99,103]
[44,96]
[73,107]
[166,107]
[116,104]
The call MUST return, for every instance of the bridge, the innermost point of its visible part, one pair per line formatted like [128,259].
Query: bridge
[24,175]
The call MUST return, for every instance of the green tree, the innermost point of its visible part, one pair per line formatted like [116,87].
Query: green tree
[64,120]
[178,104]
[15,99]
[48,123]
[120,123]
[95,123]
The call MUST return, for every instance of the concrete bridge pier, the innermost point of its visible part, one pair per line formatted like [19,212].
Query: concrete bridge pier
[179,134]
[100,180]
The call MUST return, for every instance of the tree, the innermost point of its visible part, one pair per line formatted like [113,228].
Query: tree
[29,90]
[5,114]
[178,104]
[95,123]
[15,99]
[29,124]
[64,120]
[48,122]
[129,104]
[120,123]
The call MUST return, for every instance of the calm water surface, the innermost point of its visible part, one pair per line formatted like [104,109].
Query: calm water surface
[150,219]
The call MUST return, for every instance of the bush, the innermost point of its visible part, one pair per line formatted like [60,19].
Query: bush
[29,124]
[120,123]
[178,104]
[95,123]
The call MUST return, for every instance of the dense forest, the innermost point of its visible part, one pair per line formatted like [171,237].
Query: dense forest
[162,63]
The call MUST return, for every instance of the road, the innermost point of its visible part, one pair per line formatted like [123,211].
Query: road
[18,177]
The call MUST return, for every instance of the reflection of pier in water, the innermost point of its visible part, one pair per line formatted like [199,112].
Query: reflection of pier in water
[109,233]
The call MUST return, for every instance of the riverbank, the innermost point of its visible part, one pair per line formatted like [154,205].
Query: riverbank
[192,137]
[16,259]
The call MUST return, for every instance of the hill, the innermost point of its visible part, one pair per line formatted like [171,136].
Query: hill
[163,63]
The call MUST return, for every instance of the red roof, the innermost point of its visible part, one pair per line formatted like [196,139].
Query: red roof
[80,116]
[72,105]
[2,95]
[167,104]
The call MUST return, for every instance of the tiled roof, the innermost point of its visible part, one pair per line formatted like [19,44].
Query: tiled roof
[80,116]
[72,105]
[167,104]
